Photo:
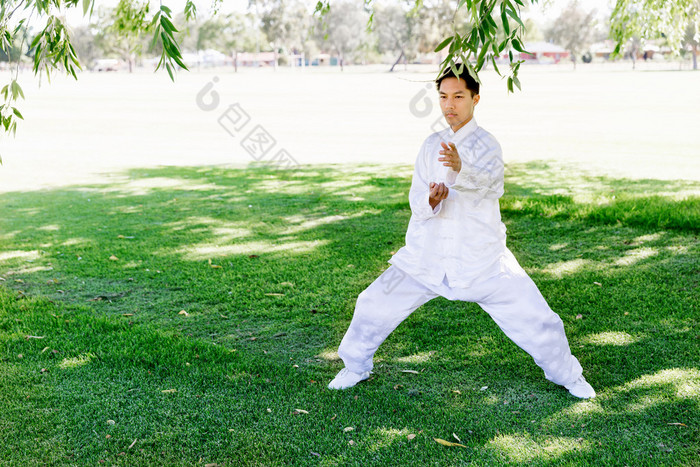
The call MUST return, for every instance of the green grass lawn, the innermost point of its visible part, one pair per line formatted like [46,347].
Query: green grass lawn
[191,316]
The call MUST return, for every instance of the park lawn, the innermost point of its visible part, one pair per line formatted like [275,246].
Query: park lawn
[191,315]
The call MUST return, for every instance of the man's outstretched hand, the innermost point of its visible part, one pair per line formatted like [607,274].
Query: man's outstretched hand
[438,192]
[450,157]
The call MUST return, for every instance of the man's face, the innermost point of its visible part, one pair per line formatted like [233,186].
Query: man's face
[456,102]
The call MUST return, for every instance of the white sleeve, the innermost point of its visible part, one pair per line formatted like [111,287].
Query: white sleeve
[419,194]
[481,176]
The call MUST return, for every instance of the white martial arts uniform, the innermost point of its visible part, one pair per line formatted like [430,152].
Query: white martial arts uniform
[458,251]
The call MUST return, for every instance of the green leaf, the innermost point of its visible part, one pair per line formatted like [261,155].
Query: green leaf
[445,64]
[453,47]
[510,84]
[169,67]
[86,6]
[16,90]
[36,40]
[504,19]
[167,44]
[517,46]
[472,71]
[167,25]
[179,61]
[457,70]
[156,20]
[473,36]
[458,41]
[480,58]
[160,62]
[16,112]
[74,56]
[322,7]
[190,10]
[515,16]
[495,67]
[171,50]
[517,82]
[443,44]
[492,23]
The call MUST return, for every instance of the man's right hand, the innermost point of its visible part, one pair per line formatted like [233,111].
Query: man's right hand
[438,192]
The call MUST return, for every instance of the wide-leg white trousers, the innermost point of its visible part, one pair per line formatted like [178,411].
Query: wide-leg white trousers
[510,297]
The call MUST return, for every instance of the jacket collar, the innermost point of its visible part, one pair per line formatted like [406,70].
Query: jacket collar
[459,135]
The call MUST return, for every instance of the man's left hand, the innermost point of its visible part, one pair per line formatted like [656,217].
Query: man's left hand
[450,157]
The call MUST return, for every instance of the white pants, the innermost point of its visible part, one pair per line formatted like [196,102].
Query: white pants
[510,298]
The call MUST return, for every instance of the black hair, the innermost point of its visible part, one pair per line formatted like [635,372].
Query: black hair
[472,84]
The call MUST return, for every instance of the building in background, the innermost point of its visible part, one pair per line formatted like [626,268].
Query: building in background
[544,52]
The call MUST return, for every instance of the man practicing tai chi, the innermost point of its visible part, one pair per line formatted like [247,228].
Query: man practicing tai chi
[456,248]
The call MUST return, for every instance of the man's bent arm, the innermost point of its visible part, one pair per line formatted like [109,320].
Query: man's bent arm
[481,178]
[419,194]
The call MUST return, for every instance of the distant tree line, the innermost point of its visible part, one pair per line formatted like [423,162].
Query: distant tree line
[399,32]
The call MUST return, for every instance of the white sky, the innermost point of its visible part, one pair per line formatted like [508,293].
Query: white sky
[75,15]
[540,12]
[547,10]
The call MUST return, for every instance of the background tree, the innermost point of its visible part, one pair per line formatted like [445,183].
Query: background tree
[121,30]
[434,23]
[286,24]
[653,19]
[692,40]
[533,33]
[84,41]
[631,49]
[573,29]
[396,30]
[230,34]
[343,29]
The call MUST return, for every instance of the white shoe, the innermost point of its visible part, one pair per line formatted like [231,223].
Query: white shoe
[581,389]
[347,379]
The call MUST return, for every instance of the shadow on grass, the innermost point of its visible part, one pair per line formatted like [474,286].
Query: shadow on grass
[234,288]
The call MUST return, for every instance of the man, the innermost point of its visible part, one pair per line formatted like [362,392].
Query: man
[456,248]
